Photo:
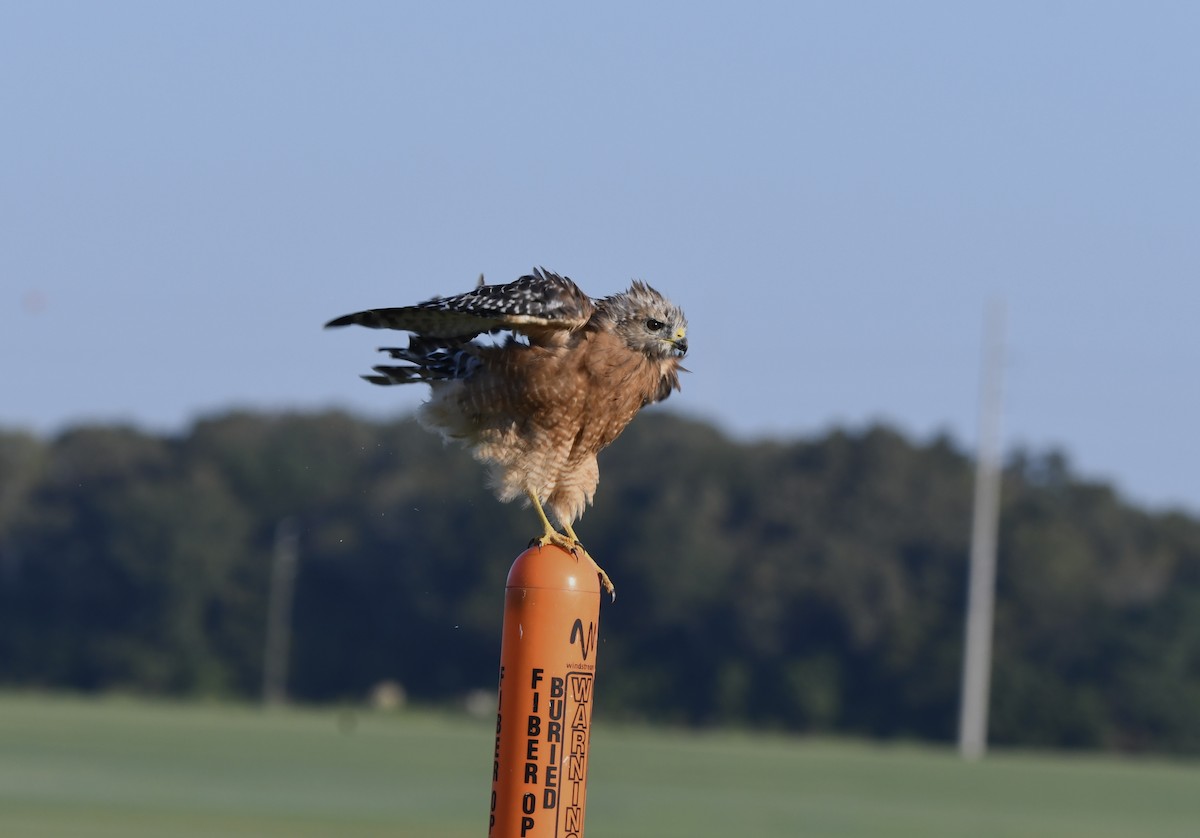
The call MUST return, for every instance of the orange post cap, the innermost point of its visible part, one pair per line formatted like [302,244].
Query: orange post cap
[553,568]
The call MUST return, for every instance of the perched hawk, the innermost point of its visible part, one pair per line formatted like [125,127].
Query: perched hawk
[538,404]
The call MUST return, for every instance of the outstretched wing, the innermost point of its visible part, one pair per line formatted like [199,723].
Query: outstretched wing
[534,304]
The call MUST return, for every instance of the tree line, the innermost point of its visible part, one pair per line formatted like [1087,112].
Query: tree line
[808,584]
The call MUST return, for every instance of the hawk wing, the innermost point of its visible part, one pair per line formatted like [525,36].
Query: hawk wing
[538,305]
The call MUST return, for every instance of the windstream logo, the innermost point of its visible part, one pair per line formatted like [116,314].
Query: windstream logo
[587,642]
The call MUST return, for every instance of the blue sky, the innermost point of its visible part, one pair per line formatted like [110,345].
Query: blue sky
[832,191]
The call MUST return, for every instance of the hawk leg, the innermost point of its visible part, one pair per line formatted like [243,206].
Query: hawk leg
[569,542]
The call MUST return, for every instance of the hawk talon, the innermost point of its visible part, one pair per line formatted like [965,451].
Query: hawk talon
[605,582]
[575,548]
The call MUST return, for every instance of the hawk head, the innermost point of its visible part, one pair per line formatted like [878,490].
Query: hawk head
[648,322]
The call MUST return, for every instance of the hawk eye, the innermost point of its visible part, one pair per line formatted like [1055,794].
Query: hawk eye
[654,325]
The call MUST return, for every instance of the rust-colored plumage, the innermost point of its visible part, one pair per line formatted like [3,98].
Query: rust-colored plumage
[538,405]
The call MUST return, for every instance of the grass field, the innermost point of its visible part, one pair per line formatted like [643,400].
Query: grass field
[70,767]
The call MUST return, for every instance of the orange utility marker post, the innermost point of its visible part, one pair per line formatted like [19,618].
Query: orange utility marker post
[547,675]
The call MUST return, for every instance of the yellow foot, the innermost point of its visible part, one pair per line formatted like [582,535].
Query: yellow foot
[568,542]
[576,549]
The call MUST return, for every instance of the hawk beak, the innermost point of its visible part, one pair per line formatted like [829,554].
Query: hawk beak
[680,346]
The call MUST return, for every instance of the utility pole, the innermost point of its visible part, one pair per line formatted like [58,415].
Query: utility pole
[279,614]
[981,594]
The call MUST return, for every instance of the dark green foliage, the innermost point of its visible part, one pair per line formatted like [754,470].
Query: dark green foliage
[809,585]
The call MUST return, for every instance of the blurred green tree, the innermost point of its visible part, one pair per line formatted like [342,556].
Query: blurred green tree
[810,584]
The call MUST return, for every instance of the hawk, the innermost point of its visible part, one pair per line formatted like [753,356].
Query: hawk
[560,380]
